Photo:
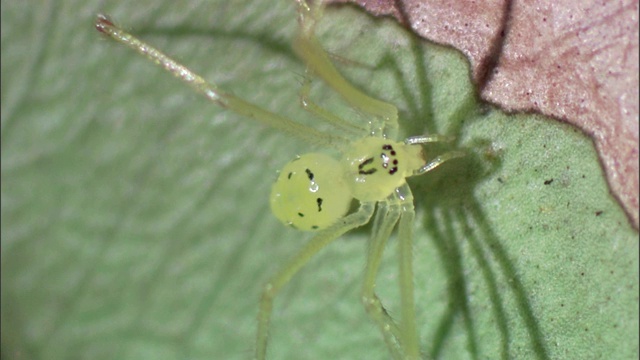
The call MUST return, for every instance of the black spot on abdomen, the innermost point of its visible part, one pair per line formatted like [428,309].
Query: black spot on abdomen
[309,174]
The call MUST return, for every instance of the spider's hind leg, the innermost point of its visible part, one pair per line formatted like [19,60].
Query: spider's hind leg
[282,278]
[350,129]
[307,47]
[226,100]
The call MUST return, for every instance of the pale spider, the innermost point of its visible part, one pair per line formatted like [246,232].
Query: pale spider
[313,192]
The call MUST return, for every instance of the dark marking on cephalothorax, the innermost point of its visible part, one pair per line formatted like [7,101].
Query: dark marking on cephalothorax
[386,159]
[289,176]
[300,214]
[388,162]
[309,174]
[319,201]
[361,170]
[365,163]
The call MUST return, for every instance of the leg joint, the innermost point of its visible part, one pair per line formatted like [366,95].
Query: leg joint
[268,291]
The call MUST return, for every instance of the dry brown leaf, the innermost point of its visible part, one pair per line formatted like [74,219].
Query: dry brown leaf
[574,61]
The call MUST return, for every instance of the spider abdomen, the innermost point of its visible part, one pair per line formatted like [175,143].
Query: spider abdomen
[310,192]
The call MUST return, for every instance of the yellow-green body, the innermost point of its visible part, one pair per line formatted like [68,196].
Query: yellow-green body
[374,167]
[315,191]
[311,192]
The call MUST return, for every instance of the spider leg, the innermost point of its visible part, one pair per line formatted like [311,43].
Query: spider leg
[402,340]
[307,47]
[317,243]
[385,220]
[211,91]
[329,117]
[409,332]
[423,139]
[439,160]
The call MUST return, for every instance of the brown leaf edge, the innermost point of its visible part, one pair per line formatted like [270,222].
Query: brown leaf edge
[576,61]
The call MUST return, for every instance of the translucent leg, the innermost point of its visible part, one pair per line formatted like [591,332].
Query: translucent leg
[402,340]
[385,220]
[317,243]
[409,332]
[211,92]
[438,161]
[327,116]
[307,47]
[423,139]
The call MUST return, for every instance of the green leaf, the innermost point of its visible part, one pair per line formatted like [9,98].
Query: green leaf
[135,220]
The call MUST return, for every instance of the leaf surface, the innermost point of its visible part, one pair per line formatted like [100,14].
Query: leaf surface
[135,220]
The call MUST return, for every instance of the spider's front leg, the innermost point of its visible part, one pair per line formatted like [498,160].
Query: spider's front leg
[409,332]
[385,220]
[440,159]
[402,340]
